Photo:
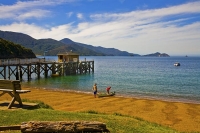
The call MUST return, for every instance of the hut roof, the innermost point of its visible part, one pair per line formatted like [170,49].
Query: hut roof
[68,53]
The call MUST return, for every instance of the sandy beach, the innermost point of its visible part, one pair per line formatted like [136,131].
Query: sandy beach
[177,115]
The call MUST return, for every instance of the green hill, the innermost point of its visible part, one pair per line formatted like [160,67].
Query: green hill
[98,50]
[10,50]
[54,47]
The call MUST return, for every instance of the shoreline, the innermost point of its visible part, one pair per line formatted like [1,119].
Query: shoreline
[184,117]
[160,98]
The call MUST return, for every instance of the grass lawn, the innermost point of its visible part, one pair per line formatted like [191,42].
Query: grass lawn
[116,123]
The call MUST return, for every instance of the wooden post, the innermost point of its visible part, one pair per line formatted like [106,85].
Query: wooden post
[17,73]
[80,67]
[8,72]
[67,68]
[59,69]
[89,66]
[20,73]
[76,67]
[45,70]
[93,66]
[85,67]
[28,72]
[53,68]
[38,70]
[4,72]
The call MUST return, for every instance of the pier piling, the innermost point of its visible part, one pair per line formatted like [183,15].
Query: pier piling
[25,68]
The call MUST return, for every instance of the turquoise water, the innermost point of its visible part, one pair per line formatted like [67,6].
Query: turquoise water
[146,77]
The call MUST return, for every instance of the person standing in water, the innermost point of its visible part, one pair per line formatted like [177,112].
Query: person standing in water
[95,90]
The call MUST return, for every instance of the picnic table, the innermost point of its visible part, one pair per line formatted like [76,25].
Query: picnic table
[13,88]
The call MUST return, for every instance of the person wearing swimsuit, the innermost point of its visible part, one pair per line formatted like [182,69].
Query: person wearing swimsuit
[95,90]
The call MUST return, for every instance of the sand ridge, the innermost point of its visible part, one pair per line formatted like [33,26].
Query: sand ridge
[177,115]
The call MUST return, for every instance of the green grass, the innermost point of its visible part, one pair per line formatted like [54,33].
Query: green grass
[40,103]
[116,123]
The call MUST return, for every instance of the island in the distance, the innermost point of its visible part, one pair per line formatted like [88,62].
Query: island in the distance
[157,54]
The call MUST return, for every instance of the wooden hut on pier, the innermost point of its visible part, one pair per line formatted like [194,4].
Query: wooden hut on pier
[68,57]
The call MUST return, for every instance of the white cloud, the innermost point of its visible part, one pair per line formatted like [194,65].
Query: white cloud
[79,15]
[140,31]
[151,13]
[30,29]
[28,9]
[33,14]
[69,14]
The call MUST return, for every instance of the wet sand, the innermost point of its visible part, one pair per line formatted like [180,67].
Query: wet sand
[177,115]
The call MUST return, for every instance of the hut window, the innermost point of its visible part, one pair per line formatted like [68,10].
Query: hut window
[61,57]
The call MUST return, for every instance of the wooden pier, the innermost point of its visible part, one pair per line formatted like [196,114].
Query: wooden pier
[39,67]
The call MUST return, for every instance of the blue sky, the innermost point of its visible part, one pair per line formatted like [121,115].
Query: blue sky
[136,26]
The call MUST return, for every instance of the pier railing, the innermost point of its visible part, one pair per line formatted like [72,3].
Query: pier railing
[20,61]
[20,68]
[27,61]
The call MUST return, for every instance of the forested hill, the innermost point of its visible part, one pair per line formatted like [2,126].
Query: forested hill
[53,47]
[10,50]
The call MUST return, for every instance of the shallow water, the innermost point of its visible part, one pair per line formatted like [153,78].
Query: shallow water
[147,77]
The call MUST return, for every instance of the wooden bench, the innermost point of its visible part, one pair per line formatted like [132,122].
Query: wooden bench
[13,88]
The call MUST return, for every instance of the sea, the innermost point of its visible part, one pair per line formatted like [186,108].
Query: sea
[131,76]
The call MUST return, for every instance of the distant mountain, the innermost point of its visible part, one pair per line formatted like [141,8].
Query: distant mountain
[80,49]
[99,50]
[67,41]
[53,47]
[107,51]
[10,50]
[157,54]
